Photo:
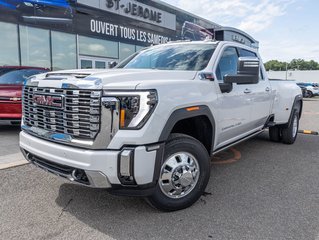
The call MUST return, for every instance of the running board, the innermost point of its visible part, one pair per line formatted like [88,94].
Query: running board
[237,142]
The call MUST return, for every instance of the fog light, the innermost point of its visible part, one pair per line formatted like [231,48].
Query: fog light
[126,163]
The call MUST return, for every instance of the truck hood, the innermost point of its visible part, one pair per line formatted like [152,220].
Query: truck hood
[113,78]
[10,91]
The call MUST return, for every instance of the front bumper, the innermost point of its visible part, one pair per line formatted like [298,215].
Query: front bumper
[10,121]
[97,168]
[10,113]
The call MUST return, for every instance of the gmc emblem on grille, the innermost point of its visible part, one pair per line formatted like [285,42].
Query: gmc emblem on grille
[48,100]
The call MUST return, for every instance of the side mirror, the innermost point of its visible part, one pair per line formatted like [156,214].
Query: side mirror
[247,73]
[112,64]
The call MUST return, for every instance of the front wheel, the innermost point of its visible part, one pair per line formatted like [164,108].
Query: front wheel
[183,176]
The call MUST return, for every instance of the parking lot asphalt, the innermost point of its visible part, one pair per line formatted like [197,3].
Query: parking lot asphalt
[10,154]
[270,191]
[310,118]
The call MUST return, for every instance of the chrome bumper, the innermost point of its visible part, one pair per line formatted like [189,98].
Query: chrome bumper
[6,122]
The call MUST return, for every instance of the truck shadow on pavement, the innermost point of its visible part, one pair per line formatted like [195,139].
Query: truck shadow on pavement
[10,129]
[271,192]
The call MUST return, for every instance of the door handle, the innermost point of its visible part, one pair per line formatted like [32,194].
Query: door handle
[247,90]
[267,89]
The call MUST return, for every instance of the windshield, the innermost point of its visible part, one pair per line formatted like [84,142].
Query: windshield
[17,77]
[186,57]
[5,70]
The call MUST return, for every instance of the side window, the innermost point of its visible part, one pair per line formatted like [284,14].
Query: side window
[247,53]
[227,63]
[261,75]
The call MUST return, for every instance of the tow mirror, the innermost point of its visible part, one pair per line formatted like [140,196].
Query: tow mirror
[247,73]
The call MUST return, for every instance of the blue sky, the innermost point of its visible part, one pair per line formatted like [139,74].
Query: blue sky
[285,29]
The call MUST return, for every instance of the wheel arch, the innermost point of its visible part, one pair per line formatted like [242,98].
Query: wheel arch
[297,101]
[190,122]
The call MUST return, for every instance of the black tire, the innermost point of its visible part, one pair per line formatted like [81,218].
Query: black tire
[310,94]
[289,133]
[180,143]
[275,134]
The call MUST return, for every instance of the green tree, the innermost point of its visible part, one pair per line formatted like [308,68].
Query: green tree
[275,65]
[295,64]
[313,65]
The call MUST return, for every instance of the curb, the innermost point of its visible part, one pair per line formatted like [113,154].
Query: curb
[13,164]
[309,132]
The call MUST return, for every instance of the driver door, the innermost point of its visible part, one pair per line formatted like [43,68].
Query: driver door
[234,108]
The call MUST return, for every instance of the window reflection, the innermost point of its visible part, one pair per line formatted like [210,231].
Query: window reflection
[98,47]
[63,50]
[138,48]
[192,57]
[86,64]
[126,50]
[228,63]
[9,49]
[35,47]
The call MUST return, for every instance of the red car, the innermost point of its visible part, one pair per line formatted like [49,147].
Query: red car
[11,82]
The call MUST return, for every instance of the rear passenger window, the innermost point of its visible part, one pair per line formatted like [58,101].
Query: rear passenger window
[227,63]
[246,53]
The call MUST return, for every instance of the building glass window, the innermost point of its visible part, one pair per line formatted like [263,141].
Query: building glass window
[63,51]
[35,47]
[9,48]
[86,64]
[97,47]
[100,64]
[138,48]
[126,50]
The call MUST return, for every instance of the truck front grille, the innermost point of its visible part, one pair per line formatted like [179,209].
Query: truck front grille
[77,114]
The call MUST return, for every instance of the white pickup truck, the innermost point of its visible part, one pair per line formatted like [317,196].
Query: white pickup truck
[150,126]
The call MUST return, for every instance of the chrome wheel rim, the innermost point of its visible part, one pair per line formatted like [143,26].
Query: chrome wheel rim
[295,126]
[179,175]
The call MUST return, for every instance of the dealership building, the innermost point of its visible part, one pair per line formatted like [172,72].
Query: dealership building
[67,34]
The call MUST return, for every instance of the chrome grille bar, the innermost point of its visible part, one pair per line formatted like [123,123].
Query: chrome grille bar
[79,118]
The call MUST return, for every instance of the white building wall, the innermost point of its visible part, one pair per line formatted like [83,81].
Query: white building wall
[299,76]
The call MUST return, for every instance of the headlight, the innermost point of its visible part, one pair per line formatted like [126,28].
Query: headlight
[135,107]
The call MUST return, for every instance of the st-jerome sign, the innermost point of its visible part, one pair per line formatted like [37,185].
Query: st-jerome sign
[135,10]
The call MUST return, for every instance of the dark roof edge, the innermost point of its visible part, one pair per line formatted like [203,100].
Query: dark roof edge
[184,11]
[236,30]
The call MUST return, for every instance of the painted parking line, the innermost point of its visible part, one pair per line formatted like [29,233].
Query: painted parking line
[308,132]
[12,160]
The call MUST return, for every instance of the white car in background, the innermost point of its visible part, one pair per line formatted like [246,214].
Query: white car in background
[312,89]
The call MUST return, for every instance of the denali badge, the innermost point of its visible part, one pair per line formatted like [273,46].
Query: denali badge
[48,100]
